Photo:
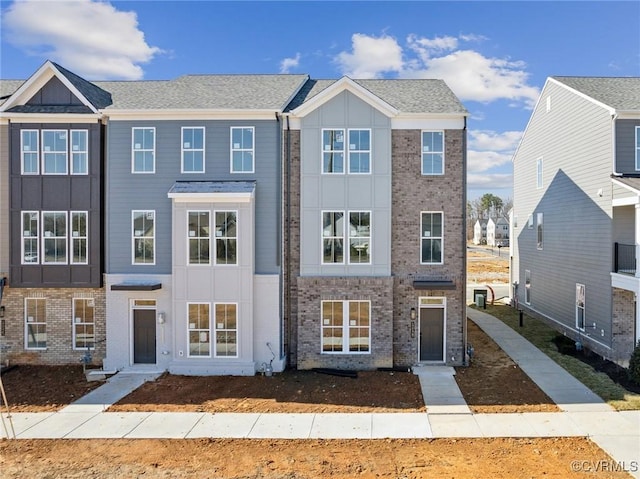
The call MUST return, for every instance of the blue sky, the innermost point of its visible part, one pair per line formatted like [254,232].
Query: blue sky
[495,56]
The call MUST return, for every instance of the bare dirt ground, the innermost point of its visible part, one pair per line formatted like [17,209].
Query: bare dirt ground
[487,265]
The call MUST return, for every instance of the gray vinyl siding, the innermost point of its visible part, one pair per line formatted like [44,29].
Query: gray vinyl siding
[574,139]
[345,192]
[626,146]
[54,92]
[624,224]
[4,199]
[127,191]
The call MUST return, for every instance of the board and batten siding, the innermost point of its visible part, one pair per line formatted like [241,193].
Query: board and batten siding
[127,191]
[575,142]
[626,146]
[4,199]
[345,192]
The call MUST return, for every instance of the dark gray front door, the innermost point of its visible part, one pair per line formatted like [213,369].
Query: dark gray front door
[144,336]
[431,334]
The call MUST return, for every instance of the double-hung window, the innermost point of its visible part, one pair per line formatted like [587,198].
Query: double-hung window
[226,329]
[144,236]
[527,286]
[30,237]
[84,323]
[199,237]
[193,149]
[333,151]
[79,152]
[199,321]
[580,297]
[79,237]
[54,237]
[226,237]
[637,147]
[30,152]
[242,149]
[54,152]
[539,230]
[346,326]
[35,321]
[333,237]
[143,150]
[539,165]
[359,151]
[431,228]
[433,152]
[357,235]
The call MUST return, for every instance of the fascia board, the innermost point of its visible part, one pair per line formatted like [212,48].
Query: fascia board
[610,109]
[190,114]
[51,117]
[211,197]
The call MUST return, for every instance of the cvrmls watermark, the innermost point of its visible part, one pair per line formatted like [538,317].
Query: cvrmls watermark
[605,466]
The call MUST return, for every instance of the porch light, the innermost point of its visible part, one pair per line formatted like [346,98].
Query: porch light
[161,318]
[412,314]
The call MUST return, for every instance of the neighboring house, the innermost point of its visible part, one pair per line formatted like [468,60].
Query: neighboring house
[376,238]
[234,223]
[576,235]
[497,231]
[480,231]
[51,169]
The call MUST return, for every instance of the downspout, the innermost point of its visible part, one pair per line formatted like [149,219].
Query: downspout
[465,359]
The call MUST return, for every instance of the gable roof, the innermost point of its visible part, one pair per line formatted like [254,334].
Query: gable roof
[405,96]
[93,93]
[619,93]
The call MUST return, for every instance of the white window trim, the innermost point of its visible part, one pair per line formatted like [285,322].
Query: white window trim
[189,330]
[73,323]
[252,149]
[527,291]
[539,173]
[72,152]
[346,327]
[349,151]
[422,152]
[215,330]
[183,149]
[539,231]
[189,263]
[349,237]
[584,306]
[345,157]
[37,152]
[133,150]
[637,148]
[37,238]
[215,242]
[73,238]
[26,323]
[432,237]
[43,238]
[66,151]
[133,238]
[322,238]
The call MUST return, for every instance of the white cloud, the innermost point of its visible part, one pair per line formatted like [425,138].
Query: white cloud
[490,140]
[288,63]
[91,38]
[370,57]
[479,161]
[491,181]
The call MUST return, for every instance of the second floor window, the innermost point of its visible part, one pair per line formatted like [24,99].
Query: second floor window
[226,237]
[637,147]
[333,151]
[357,235]
[199,237]
[431,232]
[433,152]
[193,150]
[54,232]
[540,230]
[54,152]
[539,165]
[242,149]
[144,237]
[143,150]
[30,152]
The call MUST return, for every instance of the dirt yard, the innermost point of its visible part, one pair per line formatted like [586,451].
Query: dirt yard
[485,265]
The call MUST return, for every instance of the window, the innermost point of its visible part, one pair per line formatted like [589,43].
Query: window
[359,237]
[359,151]
[242,150]
[35,318]
[79,152]
[226,237]
[226,330]
[30,237]
[84,323]
[193,150]
[198,237]
[144,239]
[346,326]
[580,306]
[54,152]
[143,150]
[527,286]
[431,238]
[199,330]
[79,237]
[333,237]
[333,151]
[54,234]
[539,229]
[637,147]
[530,222]
[539,173]
[433,152]
[30,152]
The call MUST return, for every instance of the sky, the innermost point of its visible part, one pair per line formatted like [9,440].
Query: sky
[495,56]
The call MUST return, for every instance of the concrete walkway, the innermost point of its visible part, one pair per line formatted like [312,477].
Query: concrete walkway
[584,414]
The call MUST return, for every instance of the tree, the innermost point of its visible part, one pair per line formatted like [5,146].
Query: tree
[491,204]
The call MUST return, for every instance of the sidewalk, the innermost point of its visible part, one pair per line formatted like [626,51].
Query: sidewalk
[584,414]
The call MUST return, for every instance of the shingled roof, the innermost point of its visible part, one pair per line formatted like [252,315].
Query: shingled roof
[620,93]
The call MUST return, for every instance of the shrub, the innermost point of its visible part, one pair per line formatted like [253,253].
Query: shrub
[634,365]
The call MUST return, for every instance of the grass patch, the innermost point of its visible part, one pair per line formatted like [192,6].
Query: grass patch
[541,336]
